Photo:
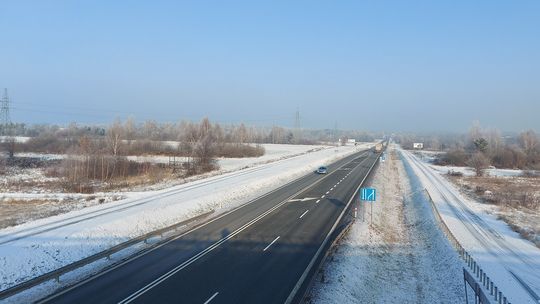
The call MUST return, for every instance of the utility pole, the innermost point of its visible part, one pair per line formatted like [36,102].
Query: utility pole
[274,135]
[335,134]
[5,120]
[297,126]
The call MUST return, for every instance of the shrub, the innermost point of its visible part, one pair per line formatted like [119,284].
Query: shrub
[240,151]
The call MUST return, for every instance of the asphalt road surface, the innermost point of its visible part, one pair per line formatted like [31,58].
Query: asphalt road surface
[254,254]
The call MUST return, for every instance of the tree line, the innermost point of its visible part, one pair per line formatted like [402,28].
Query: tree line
[483,147]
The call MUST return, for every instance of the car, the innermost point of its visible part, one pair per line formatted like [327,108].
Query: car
[322,170]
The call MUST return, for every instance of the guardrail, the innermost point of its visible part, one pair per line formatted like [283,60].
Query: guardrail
[56,274]
[482,282]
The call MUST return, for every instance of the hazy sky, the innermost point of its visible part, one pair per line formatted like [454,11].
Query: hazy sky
[375,65]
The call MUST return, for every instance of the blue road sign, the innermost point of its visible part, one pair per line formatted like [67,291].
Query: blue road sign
[368,194]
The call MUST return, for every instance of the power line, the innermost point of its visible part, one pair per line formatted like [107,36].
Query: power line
[5,119]
[297,126]
[106,113]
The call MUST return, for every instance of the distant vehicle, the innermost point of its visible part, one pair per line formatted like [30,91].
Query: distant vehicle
[378,148]
[322,170]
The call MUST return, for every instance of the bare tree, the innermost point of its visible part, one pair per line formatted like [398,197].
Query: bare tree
[241,134]
[130,129]
[150,129]
[205,128]
[479,162]
[114,137]
[494,142]
[205,148]
[529,142]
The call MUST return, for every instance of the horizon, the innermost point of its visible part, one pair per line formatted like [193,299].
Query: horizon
[382,67]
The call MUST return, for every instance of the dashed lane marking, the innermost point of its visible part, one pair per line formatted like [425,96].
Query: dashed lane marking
[211,298]
[266,248]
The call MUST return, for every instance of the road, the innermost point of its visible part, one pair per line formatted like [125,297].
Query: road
[254,254]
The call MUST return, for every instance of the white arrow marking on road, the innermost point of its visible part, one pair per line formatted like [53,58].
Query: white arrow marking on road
[302,199]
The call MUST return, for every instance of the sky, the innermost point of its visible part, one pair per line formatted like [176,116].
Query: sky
[412,66]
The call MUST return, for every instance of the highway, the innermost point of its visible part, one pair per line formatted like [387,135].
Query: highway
[257,253]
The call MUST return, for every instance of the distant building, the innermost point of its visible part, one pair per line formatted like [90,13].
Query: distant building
[351,140]
[418,146]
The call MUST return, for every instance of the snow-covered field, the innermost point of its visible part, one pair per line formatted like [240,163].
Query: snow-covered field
[430,157]
[273,152]
[501,252]
[33,248]
[18,139]
[402,258]
[468,171]
[28,194]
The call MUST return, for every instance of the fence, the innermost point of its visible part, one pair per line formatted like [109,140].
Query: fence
[56,274]
[479,281]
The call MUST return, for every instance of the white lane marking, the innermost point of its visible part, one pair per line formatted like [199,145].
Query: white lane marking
[187,263]
[322,196]
[327,192]
[301,216]
[198,255]
[325,241]
[317,201]
[271,243]
[211,298]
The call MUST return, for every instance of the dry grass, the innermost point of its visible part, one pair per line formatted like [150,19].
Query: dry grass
[517,198]
[17,211]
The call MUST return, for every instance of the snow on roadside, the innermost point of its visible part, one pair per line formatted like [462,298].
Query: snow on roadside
[430,157]
[31,256]
[273,152]
[39,192]
[496,248]
[402,258]
[468,171]
[18,139]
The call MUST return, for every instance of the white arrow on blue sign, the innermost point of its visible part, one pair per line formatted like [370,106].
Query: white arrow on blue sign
[368,194]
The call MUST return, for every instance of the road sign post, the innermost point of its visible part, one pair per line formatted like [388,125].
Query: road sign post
[369,195]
